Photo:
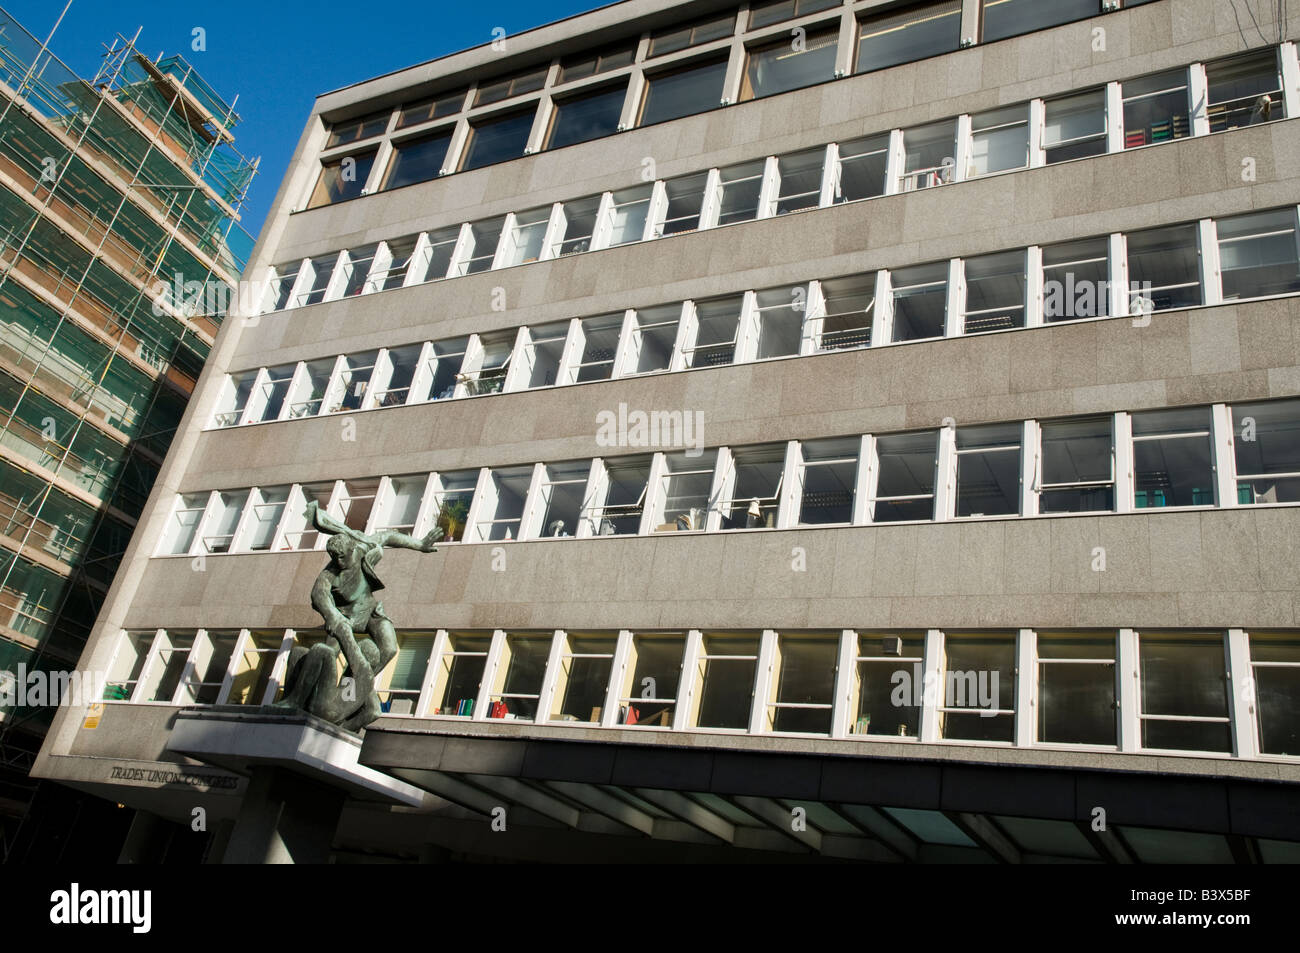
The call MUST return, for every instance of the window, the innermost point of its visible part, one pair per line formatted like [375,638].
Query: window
[446,104]
[1172,458]
[453,494]
[685,203]
[590,64]
[267,508]
[356,503]
[234,398]
[459,675]
[275,388]
[209,659]
[587,115]
[353,381]
[912,34]
[418,160]
[1074,126]
[742,186]
[322,269]
[282,284]
[354,130]
[403,505]
[356,268]
[482,250]
[727,667]
[448,359]
[630,208]
[528,81]
[1244,91]
[503,507]
[620,513]
[403,362]
[906,465]
[524,662]
[497,138]
[804,684]
[179,535]
[1164,269]
[756,488]
[654,335]
[649,697]
[1258,254]
[1076,688]
[828,479]
[1078,466]
[920,298]
[999,140]
[393,274]
[800,181]
[864,164]
[1004,18]
[442,246]
[716,324]
[1156,109]
[490,375]
[979,687]
[543,352]
[686,481]
[1076,280]
[223,517]
[563,490]
[342,179]
[765,14]
[790,63]
[850,304]
[928,155]
[988,470]
[585,667]
[298,533]
[600,345]
[252,682]
[1275,664]
[1184,692]
[1266,445]
[579,225]
[309,395]
[405,679]
[672,39]
[780,321]
[995,292]
[683,92]
[527,237]
[888,685]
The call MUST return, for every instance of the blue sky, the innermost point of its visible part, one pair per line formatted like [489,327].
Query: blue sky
[278,55]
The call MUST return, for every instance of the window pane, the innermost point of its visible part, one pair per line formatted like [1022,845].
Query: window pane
[631,206]
[715,335]
[829,478]
[656,672]
[1172,458]
[1155,109]
[1165,265]
[1076,280]
[913,34]
[580,224]
[850,304]
[685,201]
[754,497]
[1075,126]
[741,188]
[600,337]
[546,347]
[562,497]
[863,166]
[357,129]
[928,155]
[806,677]
[1184,676]
[890,690]
[1277,692]
[1266,445]
[342,179]
[1076,699]
[625,497]
[679,38]
[686,483]
[999,140]
[1244,91]
[920,302]
[763,14]
[727,685]
[683,92]
[590,64]
[583,679]
[1077,467]
[906,466]
[1004,18]
[447,104]
[995,292]
[454,496]
[801,180]
[780,321]
[988,470]
[516,85]
[782,66]
[417,160]
[497,139]
[1258,254]
[979,674]
[588,116]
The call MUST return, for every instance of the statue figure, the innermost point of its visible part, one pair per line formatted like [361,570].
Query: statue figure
[344,595]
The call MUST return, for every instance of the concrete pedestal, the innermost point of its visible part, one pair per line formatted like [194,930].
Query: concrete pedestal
[286,818]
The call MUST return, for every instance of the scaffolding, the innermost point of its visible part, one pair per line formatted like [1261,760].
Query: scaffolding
[111,190]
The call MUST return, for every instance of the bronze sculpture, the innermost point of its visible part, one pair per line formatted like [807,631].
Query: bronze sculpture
[344,595]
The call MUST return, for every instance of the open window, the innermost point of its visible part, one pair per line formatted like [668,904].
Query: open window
[501,508]
[1076,688]
[308,392]
[234,398]
[299,534]
[579,225]
[281,284]
[321,270]
[864,168]
[599,347]
[849,311]
[489,377]
[630,208]
[1275,664]
[402,365]
[914,33]
[878,688]
[618,513]
[1259,254]
[1172,458]
[979,686]
[356,502]
[1164,269]
[458,676]
[352,381]
[452,495]
[995,292]
[785,63]
[1076,280]
[441,249]
[728,666]
[527,237]
[356,264]
[543,352]
[274,390]
[742,185]
[520,673]
[716,326]
[906,465]
[654,335]
[178,537]
[1074,126]
[222,520]
[780,321]
[1156,109]
[1266,447]
[803,684]
[828,476]
[920,299]
[484,238]
[401,509]
[648,695]
[755,488]
[266,509]
[1184,692]
[562,493]
[401,684]
[685,204]
[988,470]
[1077,466]
[448,358]
[1244,91]
[585,665]
[999,140]
[928,153]
[205,672]
[684,494]
[800,180]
